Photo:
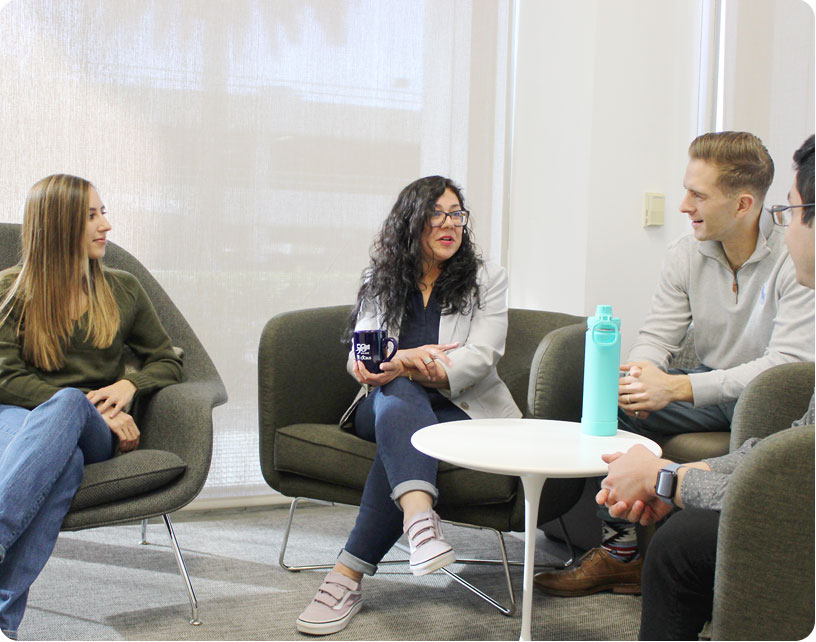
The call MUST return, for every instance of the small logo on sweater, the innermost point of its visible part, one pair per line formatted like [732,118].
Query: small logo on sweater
[762,296]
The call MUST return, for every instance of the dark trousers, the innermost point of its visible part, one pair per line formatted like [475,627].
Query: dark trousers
[678,576]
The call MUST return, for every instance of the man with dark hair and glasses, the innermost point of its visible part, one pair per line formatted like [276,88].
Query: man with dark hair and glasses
[678,573]
[733,280]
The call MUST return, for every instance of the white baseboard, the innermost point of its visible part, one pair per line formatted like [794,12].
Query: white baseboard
[238,502]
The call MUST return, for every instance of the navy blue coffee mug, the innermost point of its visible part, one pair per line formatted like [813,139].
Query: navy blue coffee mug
[371,347]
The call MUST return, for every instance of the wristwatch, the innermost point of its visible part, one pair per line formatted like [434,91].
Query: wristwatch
[666,485]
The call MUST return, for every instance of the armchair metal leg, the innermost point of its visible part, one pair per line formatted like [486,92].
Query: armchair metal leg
[309,567]
[143,540]
[571,559]
[294,569]
[183,570]
[572,553]
[505,610]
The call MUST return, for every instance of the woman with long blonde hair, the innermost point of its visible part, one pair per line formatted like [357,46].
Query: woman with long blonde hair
[64,398]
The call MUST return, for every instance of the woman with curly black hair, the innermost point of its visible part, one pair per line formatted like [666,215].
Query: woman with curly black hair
[427,285]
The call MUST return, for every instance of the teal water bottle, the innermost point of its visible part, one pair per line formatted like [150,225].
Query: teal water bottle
[599,415]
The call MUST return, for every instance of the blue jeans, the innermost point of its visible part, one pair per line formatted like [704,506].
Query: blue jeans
[42,454]
[389,417]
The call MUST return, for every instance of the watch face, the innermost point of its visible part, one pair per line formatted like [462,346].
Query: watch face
[666,481]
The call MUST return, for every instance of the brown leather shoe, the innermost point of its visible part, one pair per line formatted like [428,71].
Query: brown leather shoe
[596,571]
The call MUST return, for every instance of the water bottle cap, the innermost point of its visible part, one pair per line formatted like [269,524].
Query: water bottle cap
[603,314]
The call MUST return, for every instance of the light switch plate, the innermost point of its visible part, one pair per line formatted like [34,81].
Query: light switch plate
[654,208]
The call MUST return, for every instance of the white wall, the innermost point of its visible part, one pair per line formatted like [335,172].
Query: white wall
[547,223]
[605,109]
[606,105]
[769,84]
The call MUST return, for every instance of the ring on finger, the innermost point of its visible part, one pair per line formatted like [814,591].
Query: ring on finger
[427,360]
[628,399]
[637,414]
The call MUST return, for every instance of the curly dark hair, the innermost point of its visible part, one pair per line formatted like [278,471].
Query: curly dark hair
[396,258]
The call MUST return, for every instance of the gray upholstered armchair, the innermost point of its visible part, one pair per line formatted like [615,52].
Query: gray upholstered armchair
[763,583]
[170,466]
[304,454]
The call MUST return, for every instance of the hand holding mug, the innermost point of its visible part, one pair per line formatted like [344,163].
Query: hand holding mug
[371,349]
[370,379]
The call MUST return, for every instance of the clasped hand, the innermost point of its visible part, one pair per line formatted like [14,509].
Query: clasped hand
[109,401]
[420,363]
[628,488]
[646,388]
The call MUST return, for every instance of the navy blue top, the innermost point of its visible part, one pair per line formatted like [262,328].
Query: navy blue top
[420,325]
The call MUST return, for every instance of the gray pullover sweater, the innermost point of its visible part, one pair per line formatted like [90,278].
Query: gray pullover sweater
[744,322]
[706,489]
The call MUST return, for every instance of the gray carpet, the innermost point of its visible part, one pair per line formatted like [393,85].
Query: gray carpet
[101,585]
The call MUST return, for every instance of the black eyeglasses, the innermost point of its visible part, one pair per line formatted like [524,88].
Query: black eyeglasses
[782,214]
[459,218]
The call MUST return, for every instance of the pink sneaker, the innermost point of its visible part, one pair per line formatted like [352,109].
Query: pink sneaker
[337,601]
[429,550]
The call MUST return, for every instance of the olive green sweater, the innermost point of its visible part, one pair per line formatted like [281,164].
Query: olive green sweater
[86,367]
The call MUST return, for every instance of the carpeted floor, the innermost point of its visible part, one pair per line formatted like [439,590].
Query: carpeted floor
[102,585]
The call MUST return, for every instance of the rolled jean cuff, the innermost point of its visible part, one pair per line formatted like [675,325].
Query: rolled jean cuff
[2,553]
[414,484]
[11,635]
[355,563]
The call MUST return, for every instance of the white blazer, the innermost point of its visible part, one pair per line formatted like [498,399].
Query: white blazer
[475,386]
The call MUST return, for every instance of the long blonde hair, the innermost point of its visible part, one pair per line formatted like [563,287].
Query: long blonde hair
[54,264]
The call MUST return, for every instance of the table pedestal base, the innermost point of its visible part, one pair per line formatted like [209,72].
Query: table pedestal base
[532,494]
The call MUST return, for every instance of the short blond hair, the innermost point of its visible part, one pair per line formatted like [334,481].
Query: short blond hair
[743,162]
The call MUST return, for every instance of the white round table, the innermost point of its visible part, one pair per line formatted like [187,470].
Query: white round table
[533,449]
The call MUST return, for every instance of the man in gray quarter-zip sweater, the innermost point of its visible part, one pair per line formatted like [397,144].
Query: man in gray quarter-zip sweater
[678,574]
[733,280]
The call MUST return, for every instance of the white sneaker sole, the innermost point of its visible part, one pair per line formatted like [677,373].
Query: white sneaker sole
[327,628]
[434,564]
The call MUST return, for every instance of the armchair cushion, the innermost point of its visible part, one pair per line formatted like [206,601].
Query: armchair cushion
[127,475]
[327,453]
[693,446]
